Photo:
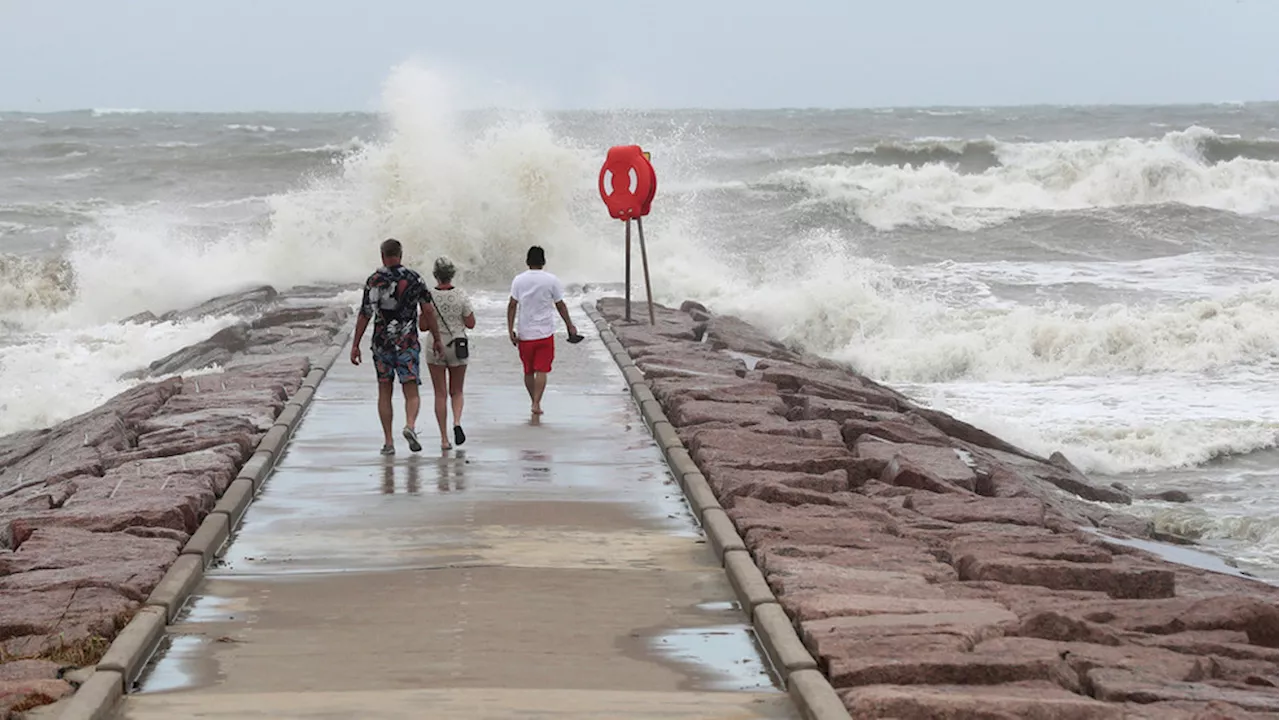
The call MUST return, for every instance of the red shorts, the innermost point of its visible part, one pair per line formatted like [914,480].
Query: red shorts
[536,355]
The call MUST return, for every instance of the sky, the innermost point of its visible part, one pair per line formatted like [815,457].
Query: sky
[334,55]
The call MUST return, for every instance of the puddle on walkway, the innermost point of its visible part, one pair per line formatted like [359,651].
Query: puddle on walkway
[728,656]
[726,606]
[214,608]
[181,662]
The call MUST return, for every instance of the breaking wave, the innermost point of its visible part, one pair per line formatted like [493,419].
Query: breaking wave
[968,185]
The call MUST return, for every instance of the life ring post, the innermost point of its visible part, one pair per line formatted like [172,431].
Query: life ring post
[627,185]
[627,317]
[644,262]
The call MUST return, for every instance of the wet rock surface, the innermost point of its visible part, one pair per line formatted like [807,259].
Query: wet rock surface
[935,570]
[94,510]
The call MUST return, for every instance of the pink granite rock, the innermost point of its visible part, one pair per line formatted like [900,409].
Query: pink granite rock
[973,509]
[807,407]
[36,622]
[697,412]
[725,332]
[829,384]
[1036,699]
[745,450]
[907,429]
[690,365]
[16,695]
[729,482]
[61,557]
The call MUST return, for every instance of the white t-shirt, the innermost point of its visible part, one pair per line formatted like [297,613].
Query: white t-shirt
[537,292]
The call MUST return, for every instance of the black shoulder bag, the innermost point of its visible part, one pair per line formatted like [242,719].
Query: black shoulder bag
[459,343]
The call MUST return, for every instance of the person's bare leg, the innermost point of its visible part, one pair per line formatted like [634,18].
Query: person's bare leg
[528,385]
[412,403]
[384,410]
[442,403]
[539,385]
[457,377]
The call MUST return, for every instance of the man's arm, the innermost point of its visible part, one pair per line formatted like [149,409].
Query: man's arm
[362,322]
[511,320]
[564,314]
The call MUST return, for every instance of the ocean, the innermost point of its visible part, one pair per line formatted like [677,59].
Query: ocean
[1097,280]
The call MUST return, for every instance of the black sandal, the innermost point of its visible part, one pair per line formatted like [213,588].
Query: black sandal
[459,437]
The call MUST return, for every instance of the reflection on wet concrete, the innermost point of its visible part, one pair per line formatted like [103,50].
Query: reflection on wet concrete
[453,472]
[535,466]
[727,655]
[187,661]
[405,474]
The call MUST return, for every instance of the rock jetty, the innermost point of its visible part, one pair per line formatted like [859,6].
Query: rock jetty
[94,510]
[934,570]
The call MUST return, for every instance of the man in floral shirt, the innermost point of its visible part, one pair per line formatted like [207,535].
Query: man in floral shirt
[396,299]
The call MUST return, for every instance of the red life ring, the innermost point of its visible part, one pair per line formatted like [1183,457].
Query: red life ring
[627,182]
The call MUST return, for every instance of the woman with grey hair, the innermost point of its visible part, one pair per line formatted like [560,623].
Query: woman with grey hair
[454,316]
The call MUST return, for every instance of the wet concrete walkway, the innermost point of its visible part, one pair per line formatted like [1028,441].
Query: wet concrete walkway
[545,569]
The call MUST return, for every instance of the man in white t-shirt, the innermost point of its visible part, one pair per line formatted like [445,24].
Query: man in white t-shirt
[536,297]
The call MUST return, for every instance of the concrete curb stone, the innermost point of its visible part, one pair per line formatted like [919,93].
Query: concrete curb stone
[303,397]
[699,494]
[665,435]
[179,581]
[208,540]
[314,377]
[328,358]
[257,469]
[96,699]
[642,393]
[288,418]
[682,464]
[133,647]
[721,533]
[808,688]
[780,640]
[273,442]
[633,376]
[747,581]
[652,412]
[815,697]
[235,500]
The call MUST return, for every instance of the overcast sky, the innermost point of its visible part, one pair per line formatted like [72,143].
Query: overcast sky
[335,54]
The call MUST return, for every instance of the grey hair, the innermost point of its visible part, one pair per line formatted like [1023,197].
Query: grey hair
[444,269]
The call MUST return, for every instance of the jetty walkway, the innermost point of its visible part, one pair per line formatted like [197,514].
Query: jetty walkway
[546,568]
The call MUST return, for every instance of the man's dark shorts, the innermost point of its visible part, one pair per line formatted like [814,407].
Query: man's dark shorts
[392,362]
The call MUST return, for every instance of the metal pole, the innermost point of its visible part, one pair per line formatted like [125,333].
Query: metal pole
[644,260]
[628,286]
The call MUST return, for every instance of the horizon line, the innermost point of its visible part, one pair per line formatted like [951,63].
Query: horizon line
[691,108]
